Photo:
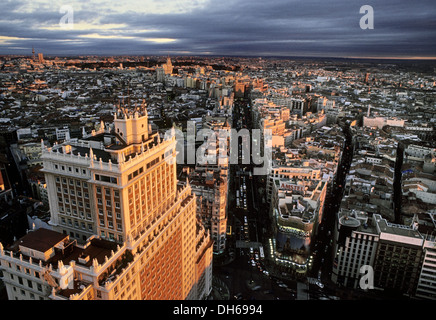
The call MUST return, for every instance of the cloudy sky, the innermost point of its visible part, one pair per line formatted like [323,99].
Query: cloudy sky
[402,28]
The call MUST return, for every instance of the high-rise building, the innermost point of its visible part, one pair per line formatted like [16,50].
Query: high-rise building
[393,251]
[168,66]
[426,288]
[117,190]
[355,245]
[398,259]
[40,57]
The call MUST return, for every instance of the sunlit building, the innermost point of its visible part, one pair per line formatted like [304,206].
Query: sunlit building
[117,189]
[168,66]
[211,191]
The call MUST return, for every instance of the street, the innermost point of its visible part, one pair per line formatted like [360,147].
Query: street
[248,273]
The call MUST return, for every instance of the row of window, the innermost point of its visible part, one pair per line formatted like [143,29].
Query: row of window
[71,182]
[107,207]
[25,295]
[69,169]
[150,164]
[99,177]
[76,235]
[75,223]
[111,236]
[107,192]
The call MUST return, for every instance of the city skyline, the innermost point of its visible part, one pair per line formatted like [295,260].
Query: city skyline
[402,30]
[131,178]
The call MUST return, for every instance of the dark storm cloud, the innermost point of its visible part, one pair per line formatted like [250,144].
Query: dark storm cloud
[312,27]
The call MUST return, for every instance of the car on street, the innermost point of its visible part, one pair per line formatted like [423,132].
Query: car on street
[238,296]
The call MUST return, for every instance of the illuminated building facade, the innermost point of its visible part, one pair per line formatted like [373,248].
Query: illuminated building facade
[118,187]
[296,209]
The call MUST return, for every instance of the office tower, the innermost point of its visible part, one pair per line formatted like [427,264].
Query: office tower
[398,258]
[426,288]
[393,251]
[116,191]
[40,57]
[355,245]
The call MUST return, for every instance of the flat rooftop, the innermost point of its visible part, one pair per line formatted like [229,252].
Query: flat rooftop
[44,239]
[41,239]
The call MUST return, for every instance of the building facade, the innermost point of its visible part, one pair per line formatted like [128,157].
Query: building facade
[121,186]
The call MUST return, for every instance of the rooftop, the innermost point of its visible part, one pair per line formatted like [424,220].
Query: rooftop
[41,239]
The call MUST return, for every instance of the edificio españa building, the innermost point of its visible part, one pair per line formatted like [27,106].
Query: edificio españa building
[123,228]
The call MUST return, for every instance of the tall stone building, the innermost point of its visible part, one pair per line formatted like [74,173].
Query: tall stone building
[131,229]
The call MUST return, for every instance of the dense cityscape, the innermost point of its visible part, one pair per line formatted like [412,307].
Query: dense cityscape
[104,197]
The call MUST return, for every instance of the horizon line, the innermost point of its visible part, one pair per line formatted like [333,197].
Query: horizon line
[422,58]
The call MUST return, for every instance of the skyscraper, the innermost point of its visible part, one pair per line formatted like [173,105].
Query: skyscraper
[168,66]
[120,185]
